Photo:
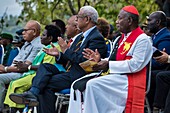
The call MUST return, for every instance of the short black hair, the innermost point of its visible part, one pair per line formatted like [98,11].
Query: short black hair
[163,18]
[60,24]
[53,31]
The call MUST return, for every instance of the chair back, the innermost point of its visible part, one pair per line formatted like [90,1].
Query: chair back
[13,53]
[109,47]
[1,54]
[148,79]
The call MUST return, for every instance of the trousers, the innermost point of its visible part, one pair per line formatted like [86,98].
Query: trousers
[162,93]
[49,80]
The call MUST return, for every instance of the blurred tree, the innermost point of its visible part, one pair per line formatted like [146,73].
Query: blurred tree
[164,5]
[46,10]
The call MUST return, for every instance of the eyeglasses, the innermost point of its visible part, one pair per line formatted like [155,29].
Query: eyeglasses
[81,16]
[28,30]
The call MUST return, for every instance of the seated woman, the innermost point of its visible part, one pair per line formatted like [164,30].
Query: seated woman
[50,34]
[104,27]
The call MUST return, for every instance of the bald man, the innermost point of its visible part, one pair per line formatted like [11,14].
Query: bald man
[27,53]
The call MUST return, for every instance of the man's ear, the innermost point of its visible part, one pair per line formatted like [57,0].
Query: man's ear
[34,32]
[130,20]
[50,38]
[88,19]
[158,22]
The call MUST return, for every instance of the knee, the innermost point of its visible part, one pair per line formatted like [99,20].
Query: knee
[46,65]
[91,83]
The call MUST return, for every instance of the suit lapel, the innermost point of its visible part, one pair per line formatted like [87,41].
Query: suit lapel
[73,46]
[89,35]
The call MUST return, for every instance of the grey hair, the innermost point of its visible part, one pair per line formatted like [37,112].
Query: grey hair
[91,12]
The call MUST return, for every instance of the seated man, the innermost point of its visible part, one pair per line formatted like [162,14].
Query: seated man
[17,43]
[48,80]
[162,92]
[157,25]
[124,87]
[28,52]
[50,34]
[6,41]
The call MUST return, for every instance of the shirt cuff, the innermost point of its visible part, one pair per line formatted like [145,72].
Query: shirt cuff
[169,59]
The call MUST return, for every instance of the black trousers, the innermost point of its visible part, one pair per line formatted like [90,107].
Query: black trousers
[162,92]
[48,80]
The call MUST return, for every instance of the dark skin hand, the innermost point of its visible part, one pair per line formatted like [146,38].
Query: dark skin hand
[95,56]
[21,66]
[52,51]
[63,44]
[102,65]
[163,58]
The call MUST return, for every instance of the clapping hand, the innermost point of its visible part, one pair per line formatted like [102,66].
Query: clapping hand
[51,51]
[95,56]
[63,44]
[91,55]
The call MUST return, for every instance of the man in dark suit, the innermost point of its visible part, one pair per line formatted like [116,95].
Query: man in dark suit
[161,40]
[47,79]
[162,93]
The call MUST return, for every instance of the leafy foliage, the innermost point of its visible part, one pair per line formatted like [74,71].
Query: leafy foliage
[46,10]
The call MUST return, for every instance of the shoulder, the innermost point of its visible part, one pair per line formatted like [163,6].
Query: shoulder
[144,38]
[36,43]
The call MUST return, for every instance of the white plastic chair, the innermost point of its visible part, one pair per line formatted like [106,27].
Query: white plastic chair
[1,54]
[148,87]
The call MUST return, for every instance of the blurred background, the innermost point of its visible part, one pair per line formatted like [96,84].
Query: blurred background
[14,13]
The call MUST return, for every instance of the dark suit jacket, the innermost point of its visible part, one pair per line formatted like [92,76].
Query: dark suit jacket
[162,40]
[93,41]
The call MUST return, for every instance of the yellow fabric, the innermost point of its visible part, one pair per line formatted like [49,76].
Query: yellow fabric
[23,84]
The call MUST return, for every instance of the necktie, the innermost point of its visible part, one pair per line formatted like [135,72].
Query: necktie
[70,41]
[79,43]
[76,48]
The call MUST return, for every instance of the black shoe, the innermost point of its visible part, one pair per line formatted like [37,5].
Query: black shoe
[26,98]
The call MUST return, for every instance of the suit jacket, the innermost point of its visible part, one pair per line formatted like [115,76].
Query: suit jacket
[162,40]
[93,41]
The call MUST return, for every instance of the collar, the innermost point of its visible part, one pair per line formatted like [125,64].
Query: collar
[86,33]
[160,31]
[34,40]
[76,36]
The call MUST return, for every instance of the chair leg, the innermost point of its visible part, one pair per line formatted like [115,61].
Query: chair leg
[57,103]
[60,105]
[147,105]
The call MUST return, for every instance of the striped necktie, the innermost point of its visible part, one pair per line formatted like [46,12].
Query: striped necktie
[77,47]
